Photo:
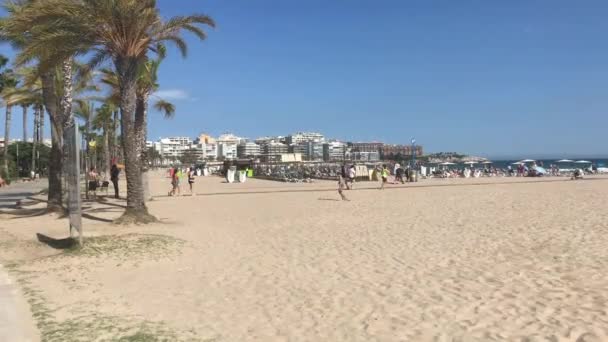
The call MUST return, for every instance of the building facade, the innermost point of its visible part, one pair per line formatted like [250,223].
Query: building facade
[227,146]
[302,137]
[366,146]
[363,156]
[334,151]
[404,151]
[274,149]
[248,150]
[173,147]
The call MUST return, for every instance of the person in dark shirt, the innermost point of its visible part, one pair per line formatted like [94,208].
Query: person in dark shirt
[114,172]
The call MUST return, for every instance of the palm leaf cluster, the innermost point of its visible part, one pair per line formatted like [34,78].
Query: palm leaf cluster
[67,42]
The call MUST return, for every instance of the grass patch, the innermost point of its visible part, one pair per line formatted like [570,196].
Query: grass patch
[127,246]
[94,326]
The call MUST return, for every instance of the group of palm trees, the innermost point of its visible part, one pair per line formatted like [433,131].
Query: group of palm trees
[66,47]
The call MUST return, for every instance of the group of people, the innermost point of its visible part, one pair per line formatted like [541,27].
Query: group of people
[93,180]
[177,175]
[346,179]
[348,175]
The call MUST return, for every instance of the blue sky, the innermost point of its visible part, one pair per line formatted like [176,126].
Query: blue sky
[508,78]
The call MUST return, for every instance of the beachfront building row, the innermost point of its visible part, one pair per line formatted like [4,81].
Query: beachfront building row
[309,146]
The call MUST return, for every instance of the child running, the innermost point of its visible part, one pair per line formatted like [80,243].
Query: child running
[384,174]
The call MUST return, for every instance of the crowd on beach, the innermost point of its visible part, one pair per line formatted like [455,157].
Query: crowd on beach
[178,177]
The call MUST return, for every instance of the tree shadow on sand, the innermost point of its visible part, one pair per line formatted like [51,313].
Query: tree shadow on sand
[61,244]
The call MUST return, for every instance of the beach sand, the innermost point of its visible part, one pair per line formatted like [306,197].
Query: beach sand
[439,260]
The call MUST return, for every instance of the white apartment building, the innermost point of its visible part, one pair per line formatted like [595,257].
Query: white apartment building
[210,151]
[302,137]
[227,146]
[173,147]
[248,149]
[267,140]
[334,151]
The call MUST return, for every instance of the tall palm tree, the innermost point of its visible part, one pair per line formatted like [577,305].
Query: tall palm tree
[103,121]
[9,99]
[24,107]
[146,84]
[55,75]
[31,95]
[124,31]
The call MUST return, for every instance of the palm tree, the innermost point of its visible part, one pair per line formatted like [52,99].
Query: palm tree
[55,75]
[146,84]
[124,31]
[24,107]
[31,95]
[103,121]
[9,99]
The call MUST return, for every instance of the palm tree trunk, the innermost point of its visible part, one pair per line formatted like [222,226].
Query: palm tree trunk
[55,196]
[24,107]
[7,128]
[35,138]
[136,207]
[71,159]
[40,135]
[141,127]
[106,149]
[115,136]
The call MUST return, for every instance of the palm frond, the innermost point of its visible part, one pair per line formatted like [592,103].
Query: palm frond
[166,108]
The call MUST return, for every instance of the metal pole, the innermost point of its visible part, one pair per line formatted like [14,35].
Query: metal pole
[413,153]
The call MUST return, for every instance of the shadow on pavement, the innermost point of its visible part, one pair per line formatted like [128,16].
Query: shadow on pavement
[66,243]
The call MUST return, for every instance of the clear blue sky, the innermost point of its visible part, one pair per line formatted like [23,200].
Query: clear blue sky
[493,78]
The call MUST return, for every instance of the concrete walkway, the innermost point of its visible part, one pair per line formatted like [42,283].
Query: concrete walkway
[19,191]
[16,323]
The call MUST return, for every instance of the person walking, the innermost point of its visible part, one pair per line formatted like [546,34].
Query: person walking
[114,172]
[342,186]
[93,179]
[384,174]
[191,175]
[352,174]
[174,182]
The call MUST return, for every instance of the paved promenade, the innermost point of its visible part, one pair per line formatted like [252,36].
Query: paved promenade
[16,323]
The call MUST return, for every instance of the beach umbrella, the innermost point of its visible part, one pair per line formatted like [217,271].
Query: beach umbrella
[487,162]
[582,162]
[517,163]
[447,163]
[527,161]
[565,161]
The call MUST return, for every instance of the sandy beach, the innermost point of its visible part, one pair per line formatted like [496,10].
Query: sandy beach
[494,259]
